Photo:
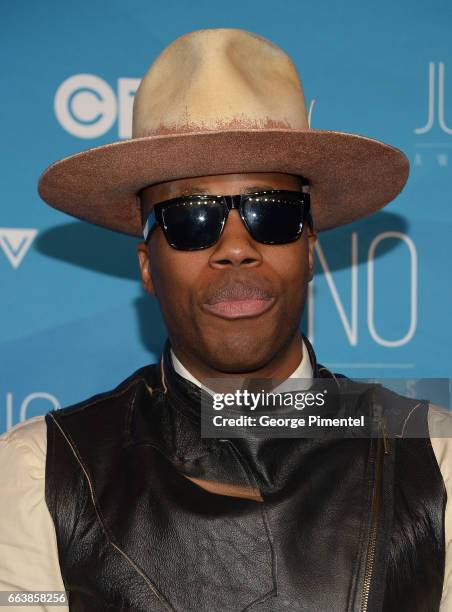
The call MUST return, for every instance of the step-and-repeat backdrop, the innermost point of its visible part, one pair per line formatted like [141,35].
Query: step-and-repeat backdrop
[74,319]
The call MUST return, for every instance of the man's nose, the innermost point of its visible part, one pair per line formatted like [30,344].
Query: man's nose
[235,247]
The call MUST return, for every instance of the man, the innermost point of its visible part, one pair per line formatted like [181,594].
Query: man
[119,499]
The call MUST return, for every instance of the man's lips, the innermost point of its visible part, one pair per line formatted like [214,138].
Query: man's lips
[237,300]
[234,309]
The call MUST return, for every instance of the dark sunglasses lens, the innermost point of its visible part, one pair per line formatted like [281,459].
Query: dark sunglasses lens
[274,220]
[192,225]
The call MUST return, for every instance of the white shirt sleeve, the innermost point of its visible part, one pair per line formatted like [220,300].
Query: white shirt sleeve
[28,546]
[440,429]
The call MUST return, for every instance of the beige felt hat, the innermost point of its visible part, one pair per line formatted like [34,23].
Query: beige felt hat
[223,101]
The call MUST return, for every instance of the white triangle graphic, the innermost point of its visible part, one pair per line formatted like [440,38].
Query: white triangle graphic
[15,243]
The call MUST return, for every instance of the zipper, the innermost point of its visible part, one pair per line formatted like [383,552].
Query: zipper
[383,449]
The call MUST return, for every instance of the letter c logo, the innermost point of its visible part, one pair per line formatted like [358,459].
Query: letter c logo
[85,105]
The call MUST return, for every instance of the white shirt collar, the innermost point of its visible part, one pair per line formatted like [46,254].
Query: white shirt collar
[304,369]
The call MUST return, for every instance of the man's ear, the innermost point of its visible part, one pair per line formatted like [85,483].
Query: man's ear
[145,268]
[312,237]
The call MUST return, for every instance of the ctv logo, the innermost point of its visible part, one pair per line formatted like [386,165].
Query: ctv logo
[86,106]
[15,243]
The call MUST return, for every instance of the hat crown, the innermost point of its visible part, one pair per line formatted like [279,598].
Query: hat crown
[215,79]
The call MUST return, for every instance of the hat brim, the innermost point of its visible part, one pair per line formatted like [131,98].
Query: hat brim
[351,176]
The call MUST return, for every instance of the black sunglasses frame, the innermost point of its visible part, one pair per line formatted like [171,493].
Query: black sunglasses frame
[228,202]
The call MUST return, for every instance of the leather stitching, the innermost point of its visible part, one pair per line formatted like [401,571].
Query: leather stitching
[405,422]
[109,395]
[73,448]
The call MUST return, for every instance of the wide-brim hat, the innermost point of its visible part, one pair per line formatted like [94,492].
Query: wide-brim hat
[222,101]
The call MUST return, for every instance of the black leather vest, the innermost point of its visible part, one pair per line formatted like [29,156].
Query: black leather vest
[347,525]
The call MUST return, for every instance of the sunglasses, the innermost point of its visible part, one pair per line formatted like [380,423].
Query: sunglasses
[196,222]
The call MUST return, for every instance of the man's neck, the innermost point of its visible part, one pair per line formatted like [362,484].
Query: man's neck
[303,370]
[282,364]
